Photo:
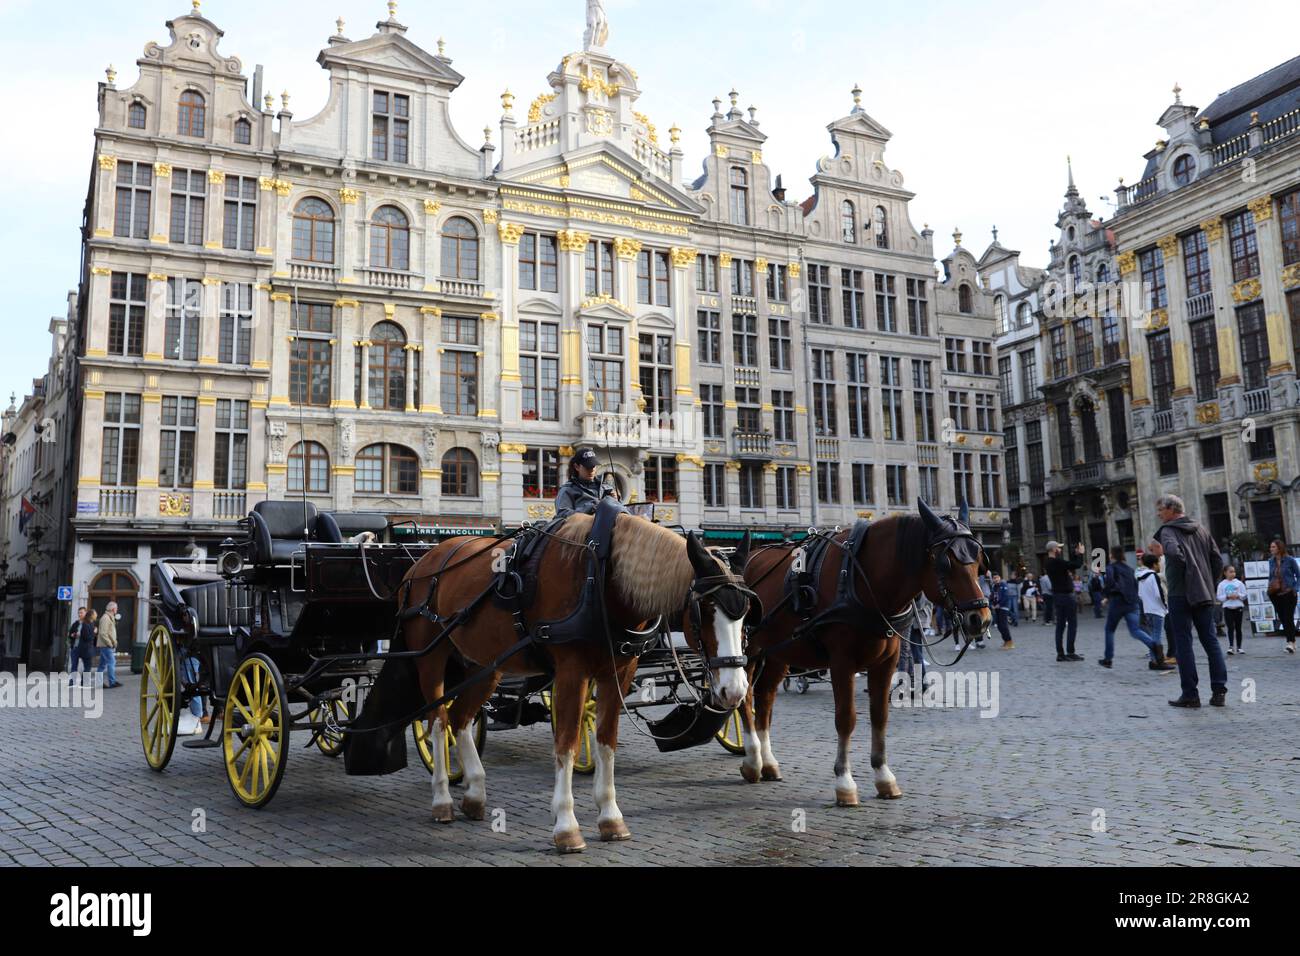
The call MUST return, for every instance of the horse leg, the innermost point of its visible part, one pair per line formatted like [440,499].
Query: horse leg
[463,711]
[879,677]
[432,673]
[753,761]
[568,698]
[846,718]
[765,700]
[610,689]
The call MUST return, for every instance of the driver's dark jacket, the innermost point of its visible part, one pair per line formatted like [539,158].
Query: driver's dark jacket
[578,497]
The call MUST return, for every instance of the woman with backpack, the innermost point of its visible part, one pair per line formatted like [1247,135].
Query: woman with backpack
[1283,583]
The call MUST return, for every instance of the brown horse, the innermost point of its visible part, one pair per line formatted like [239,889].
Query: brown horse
[652,573]
[902,556]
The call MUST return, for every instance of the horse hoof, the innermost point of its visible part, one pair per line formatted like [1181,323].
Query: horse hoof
[473,809]
[888,791]
[444,813]
[614,831]
[749,773]
[846,798]
[772,774]
[570,841]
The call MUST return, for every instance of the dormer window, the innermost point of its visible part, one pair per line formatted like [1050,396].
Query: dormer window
[243,132]
[739,196]
[191,114]
[1184,169]
[848,222]
[1076,270]
[390,135]
[135,116]
[882,228]
[964,303]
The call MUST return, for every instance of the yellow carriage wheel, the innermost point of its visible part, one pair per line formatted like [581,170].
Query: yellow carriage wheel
[732,734]
[255,731]
[584,762]
[159,699]
[329,741]
[422,730]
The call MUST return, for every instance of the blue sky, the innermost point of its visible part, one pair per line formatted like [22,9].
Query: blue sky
[985,100]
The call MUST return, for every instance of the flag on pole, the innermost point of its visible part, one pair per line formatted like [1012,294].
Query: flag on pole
[25,515]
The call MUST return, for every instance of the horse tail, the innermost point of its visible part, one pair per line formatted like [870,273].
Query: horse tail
[394,694]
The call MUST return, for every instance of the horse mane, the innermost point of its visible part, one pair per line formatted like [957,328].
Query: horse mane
[912,539]
[650,568]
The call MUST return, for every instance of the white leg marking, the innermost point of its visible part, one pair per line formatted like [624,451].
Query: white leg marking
[475,778]
[753,753]
[765,743]
[604,785]
[844,782]
[441,779]
[562,800]
[884,777]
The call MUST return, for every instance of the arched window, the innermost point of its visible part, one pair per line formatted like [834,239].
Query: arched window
[1076,270]
[387,358]
[135,116]
[1000,311]
[1023,314]
[848,222]
[1184,169]
[243,132]
[460,249]
[390,240]
[882,228]
[309,468]
[313,231]
[964,299]
[192,114]
[1103,273]
[460,473]
[387,469]
[739,196]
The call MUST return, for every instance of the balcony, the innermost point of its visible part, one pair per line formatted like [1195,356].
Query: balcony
[387,279]
[1200,306]
[828,449]
[927,455]
[744,303]
[1088,472]
[229,505]
[1164,421]
[313,272]
[748,377]
[615,430]
[117,502]
[470,290]
[746,444]
[1258,401]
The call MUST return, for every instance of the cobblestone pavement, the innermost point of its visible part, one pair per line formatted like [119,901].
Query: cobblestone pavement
[1080,765]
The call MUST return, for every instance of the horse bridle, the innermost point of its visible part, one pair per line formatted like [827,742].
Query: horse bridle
[730,596]
[955,537]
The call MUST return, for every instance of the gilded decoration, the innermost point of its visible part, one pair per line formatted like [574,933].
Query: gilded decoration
[599,122]
[174,506]
[649,127]
[349,196]
[536,106]
[596,300]
[432,206]
[683,256]
[216,177]
[627,248]
[1207,414]
[1261,208]
[721,151]
[760,267]
[108,162]
[1213,229]
[162,170]
[571,240]
[510,232]
[541,511]
[1158,318]
[794,269]
[1246,291]
[283,187]
[490,216]
[724,260]
[1168,247]
[1291,275]
[1127,262]
[1266,471]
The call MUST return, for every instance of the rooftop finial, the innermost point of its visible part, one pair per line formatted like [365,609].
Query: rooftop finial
[194,5]
[753,115]
[340,23]
[111,74]
[857,97]
[507,100]
[956,236]
[995,233]
[442,46]
[597,32]
[487,135]
[675,134]
[392,9]
[1178,93]
[284,101]
[270,102]
[734,96]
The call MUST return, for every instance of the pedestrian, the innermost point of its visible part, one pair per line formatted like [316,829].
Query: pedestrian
[986,588]
[1192,566]
[1077,582]
[1001,602]
[913,651]
[80,646]
[107,643]
[1029,598]
[1124,604]
[1151,591]
[190,671]
[1013,607]
[1045,595]
[1065,607]
[1232,598]
[1283,583]
[1097,592]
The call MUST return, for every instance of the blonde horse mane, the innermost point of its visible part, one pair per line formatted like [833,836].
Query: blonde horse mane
[651,569]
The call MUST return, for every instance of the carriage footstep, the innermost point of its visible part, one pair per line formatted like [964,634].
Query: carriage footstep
[473,809]
[570,842]
[614,831]
[846,798]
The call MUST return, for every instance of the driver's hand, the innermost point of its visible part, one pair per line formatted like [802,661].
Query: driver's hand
[1080,549]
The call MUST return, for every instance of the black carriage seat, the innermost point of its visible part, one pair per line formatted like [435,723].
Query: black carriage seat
[281,529]
[341,526]
[220,607]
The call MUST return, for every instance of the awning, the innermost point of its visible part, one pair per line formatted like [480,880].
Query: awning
[718,534]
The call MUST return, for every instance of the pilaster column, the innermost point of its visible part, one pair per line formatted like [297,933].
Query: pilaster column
[410,349]
[364,345]
[1175,293]
[257,477]
[92,446]
[490,368]
[626,250]
[690,490]
[105,197]
[348,258]
[101,283]
[214,221]
[263,318]
[806,488]
[511,484]
[281,303]
[155,318]
[573,247]
[432,246]
[431,367]
[510,400]
[205,444]
[160,227]
[343,365]
[1224,317]
[150,430]
[1137,351]
[210,322]
[1270,279]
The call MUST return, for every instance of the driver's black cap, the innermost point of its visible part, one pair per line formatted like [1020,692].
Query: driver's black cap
[586,457]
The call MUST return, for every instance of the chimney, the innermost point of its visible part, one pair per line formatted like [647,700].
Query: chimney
[257,86]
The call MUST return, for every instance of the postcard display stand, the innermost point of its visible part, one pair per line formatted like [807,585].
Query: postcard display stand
[1263,617]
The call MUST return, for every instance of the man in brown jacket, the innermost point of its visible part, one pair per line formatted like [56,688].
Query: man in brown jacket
[107,643]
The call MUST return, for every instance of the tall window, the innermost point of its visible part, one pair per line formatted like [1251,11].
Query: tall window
[1288,220]
[744,340]
[715,485]
[539,367]
[886,304]
[1000,315]
[1243,246]
[896,485]
[1029,375]
[981,357]
[828,482]
[918,309]
[959,409]
[706,273]
[1083,348]
[120,463]
[882,228]
[191,114]
[864,492]
[313,231]
[1010,438]
[751,485]
[1024,314]
[652,277]
[309,469]
[1076,271]
[599,269]
[923,399]
[395,470]
[235,345]
[127,303]
[1205,358]
[1065,433]
[239,225]
[1254,345]
[134,193]
[859,395]
[848,222]
[1293,306]
[891,398]
[963,477]
[783,415]
[460,337]
[1005,379]
[605,361]
[189,189]
[778,283]
[954,354]
[230,464]
[929,485]
[778,343]
[135,116]
[1196,264]
[311,355]
[1118,417]
[655,367]
[990,481]
[986,415]
[243,132]
[1152,266]
[739,196]
[1034,455]
[184,308]
[854,298]
[825,420]
[390,134]
[1091,436]
[787,494]
[964,303]
[742,277]
[709,329]
[539,263]
[1160,349]
[714,410]
[386,388]
[1060,354]
[819,294]
[460,249]
[661,478]
[749,413]
[1110,346]
[176,442]
[390,240]
[541,473]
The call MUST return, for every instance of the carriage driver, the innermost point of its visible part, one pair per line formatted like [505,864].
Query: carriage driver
[581,493]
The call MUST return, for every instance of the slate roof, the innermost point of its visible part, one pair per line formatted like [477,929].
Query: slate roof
[1272,94]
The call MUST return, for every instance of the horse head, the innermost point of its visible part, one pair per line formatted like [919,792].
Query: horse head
[719,605]
[954,558]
